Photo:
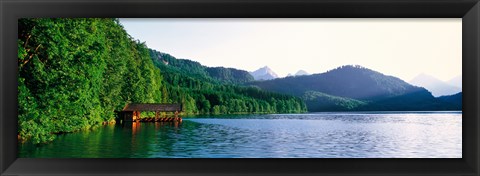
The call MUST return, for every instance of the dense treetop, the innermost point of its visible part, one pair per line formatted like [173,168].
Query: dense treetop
[73,74]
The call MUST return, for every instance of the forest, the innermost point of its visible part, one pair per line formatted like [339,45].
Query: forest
[217,90]
[356,88]
[73,74]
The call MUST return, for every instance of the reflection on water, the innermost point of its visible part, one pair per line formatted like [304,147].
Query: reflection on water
[321,135]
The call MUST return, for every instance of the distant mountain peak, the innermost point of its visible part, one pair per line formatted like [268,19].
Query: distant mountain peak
[456,81]
[421,77]
[435,86]
[301,72]
[264,73]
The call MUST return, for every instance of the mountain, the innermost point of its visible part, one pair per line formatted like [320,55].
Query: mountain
[456,81]
[350,88]
[217,90]
[435,86]
[455,100]
[229,75]
[264,73]
[346,81]
[301,73]
[195,69]
[318,101]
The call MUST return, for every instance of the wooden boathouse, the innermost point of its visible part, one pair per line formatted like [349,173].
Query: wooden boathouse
[131,112]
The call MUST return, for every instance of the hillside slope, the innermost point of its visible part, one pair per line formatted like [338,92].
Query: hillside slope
[349,88]
[195,69]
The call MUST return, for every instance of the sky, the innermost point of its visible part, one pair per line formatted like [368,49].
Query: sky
[403,48]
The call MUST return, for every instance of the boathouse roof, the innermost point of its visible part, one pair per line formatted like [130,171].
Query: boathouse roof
[164,107]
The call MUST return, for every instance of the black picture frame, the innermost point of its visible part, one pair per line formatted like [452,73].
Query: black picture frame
[468,10]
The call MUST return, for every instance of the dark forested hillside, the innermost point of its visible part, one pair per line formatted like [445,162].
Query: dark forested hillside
[350,88]
[318,101]
[454,100]
[195,69]
[215,90]
[229,75]
[346,81]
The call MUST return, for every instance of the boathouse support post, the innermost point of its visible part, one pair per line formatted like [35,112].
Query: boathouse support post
[136,116]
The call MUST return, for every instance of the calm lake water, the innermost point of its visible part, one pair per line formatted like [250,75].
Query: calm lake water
[317,135]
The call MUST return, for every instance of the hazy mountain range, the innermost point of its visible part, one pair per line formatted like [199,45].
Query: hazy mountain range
[456,81]
[299,73]
[358,88]
[346,88]
[266,73]
[436,86]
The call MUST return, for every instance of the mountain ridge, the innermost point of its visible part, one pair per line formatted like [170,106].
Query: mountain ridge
[342,81]
[345,88]
[354,87]
[456,81]
[264,73]
[196,69]
[301,73]
[434,85]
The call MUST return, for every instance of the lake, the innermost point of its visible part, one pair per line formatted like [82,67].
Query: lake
[312,135]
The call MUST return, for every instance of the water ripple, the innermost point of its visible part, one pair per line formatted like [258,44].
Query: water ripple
[319,135]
